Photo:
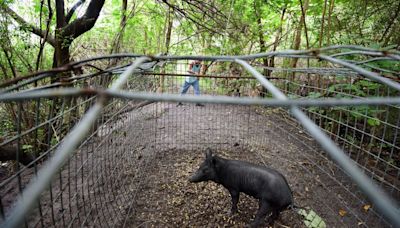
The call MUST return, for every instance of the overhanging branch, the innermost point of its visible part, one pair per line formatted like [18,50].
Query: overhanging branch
[86,22]
[187,16]
[29,27]
[73,9]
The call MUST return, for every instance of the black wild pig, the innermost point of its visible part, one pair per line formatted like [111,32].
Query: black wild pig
[265,184]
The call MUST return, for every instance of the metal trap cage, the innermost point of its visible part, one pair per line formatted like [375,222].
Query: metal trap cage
[88,138]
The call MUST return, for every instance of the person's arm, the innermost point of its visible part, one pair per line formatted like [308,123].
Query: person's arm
[200,70]
[203,69]
[190,69]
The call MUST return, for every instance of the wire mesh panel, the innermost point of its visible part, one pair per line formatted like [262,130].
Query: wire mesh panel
[94,185]
[368,134]
[188,125]
[98,156]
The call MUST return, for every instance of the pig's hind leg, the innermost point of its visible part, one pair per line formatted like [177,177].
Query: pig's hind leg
[263,210]
[274,215]
[235,199]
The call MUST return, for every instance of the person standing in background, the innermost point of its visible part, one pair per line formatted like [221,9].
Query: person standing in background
[192,80]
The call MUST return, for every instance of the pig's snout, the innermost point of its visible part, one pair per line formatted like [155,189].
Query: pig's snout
[194,178]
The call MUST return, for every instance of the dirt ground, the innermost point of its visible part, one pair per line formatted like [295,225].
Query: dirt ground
[163,144]
[167,199]
[262,136]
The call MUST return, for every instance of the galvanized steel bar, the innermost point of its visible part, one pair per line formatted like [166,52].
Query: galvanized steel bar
[372,60]
[396,57]
[72,140]
[369,53]
[366,73]
[356,47]
[73,92]
[313,53]
[384,203]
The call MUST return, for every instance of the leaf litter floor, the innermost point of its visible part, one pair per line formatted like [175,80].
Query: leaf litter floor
[165,198]
[164,144]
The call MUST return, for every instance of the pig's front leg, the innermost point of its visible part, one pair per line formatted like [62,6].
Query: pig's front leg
[235,199]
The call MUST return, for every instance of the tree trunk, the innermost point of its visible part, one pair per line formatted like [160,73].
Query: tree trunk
[42,41]
[277,37]
[145,41]
[321,34]
[303,11]
[391,23]
[169,29]
[61,49]
[9,61]
[116,46]
[328,36]
[297,40]
[262,45]
[64,35]
[169,23]
[122,23]
[395,41]
[261,36]
[306,33]
[263,48]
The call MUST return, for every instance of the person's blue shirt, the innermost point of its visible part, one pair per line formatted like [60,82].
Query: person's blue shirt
[195,68]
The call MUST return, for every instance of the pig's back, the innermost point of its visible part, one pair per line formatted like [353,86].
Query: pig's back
[260,182]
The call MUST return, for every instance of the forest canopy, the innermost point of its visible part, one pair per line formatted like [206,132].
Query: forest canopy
[41,39]
[41,34]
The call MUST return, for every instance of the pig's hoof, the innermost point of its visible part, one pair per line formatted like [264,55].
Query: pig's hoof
[253,225]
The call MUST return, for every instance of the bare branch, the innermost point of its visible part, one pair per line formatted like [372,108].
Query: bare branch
[185,14]
[9,60]
[73,9]
[43,41]
[29,27]
[86,22]
[118,37]
[391,23]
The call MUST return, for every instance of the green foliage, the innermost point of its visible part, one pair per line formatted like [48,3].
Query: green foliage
[312,219]
[391,65]
[353,22]
[6,125]
[37,7]
[314,95]
[371,113]
[6,2]
[349,88]
[27,148]
[359,89]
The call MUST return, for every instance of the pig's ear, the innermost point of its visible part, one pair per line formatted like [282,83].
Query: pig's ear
[208,154]
[213,162]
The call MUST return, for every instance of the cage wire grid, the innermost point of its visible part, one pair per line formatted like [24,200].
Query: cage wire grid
[107,112]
